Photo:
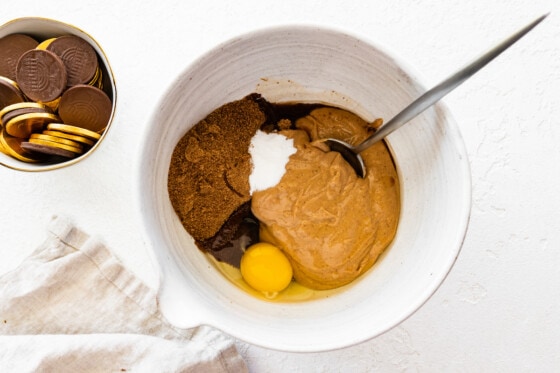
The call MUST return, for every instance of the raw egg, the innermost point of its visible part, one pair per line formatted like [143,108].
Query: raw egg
[265,268]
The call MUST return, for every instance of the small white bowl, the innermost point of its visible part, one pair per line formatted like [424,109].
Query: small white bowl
[310,64]
[42,29]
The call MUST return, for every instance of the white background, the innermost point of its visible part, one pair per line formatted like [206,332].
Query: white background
[498,310]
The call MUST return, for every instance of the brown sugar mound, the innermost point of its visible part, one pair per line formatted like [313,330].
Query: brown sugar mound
[210,167]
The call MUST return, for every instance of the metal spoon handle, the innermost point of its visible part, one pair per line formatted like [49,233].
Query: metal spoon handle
[436,93]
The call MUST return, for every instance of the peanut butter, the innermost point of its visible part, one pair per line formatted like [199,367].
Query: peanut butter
[332,224]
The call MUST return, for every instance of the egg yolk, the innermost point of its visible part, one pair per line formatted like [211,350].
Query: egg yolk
[265,268]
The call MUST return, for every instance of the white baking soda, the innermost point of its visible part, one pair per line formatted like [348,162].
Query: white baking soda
[270,153]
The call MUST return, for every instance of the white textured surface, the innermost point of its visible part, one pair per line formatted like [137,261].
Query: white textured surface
[499,308]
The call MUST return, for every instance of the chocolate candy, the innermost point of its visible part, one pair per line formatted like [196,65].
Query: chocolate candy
[2,149]
[11,48]
[97,80]
[57,145]
[41,75]
[13,147]
[73,130]
[9,92]
[52,107]
[24,125]
[21,105]
[78,57]
[62,135]
[47,150]
[45,43]
[85,106]
[58,140]
[18,112]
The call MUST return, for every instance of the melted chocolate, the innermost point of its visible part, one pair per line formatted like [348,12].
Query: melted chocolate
[240,231]
[276,112]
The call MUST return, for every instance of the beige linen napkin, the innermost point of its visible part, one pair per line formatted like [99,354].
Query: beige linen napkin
[72,307]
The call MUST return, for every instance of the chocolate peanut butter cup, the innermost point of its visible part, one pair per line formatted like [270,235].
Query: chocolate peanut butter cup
[41,75]
[2,149]
[78,56]
[17,112]
[13,147]
[80,139]
[58,140]
[9,92]
[24,125]
[73,130]
[45,43]
[22,105]
[11,49]
[85,106]
[57,145]
[47,149]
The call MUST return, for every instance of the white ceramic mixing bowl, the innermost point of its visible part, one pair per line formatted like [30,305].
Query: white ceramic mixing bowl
[310,64]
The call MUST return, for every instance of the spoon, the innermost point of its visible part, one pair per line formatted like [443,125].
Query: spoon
[352,153]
